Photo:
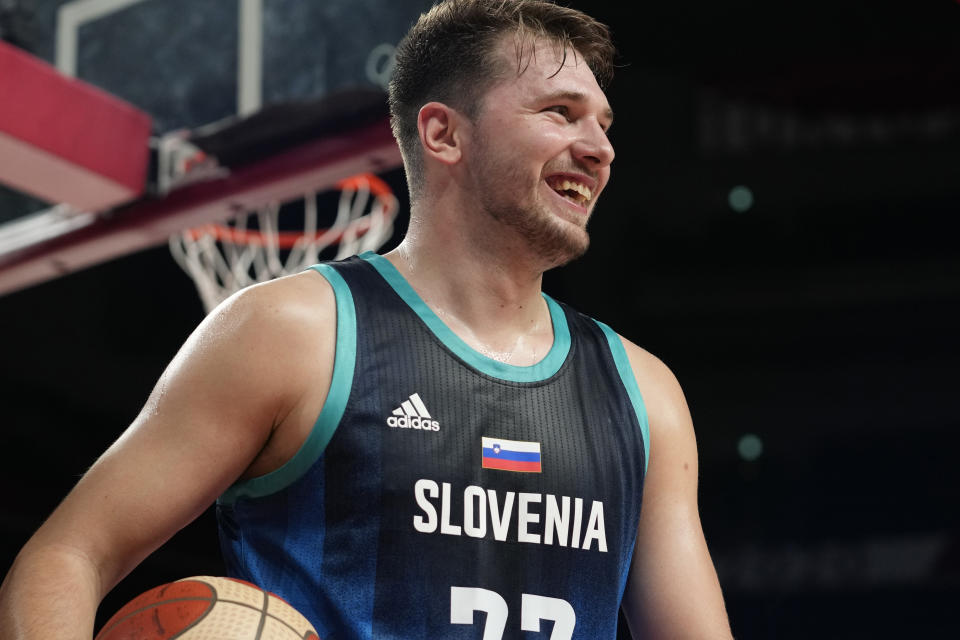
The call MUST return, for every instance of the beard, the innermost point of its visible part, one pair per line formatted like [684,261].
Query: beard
[521,207]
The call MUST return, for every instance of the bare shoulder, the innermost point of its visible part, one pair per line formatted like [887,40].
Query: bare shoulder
[660,388]
[292,303]
[671,565]
[231,402]
[279,338]
[271,323]
[253,361]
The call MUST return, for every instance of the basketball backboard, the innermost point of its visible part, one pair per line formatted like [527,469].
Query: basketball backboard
[277,76]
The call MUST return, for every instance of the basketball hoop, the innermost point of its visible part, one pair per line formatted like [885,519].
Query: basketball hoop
[224,258]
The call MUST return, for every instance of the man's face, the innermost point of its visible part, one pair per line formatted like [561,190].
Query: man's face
[540,155]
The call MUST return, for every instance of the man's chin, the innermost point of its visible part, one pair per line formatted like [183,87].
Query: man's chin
[566,247]
[555,240]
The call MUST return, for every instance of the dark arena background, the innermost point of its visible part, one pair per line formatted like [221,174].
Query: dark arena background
[779,229]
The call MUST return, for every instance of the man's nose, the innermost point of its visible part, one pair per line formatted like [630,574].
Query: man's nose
[593,146]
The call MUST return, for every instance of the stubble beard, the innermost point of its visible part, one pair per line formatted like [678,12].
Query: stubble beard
[555,241]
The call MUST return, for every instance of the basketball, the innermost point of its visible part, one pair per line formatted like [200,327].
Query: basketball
[208,608]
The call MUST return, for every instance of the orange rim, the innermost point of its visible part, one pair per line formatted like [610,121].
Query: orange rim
[287,239]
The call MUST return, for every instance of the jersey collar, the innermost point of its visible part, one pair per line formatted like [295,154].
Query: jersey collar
[542,370]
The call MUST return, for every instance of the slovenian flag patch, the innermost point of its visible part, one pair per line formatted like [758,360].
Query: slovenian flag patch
[511,455]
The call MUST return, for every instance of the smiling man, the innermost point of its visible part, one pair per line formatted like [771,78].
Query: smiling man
[423,444]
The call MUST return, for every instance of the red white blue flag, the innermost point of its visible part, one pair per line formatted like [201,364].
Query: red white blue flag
[511,455]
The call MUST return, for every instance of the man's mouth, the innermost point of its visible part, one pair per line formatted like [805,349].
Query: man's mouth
[571,189]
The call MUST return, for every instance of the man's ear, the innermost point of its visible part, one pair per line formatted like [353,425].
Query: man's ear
[441,132]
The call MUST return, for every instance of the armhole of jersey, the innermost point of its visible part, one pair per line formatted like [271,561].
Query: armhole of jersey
[333,408]
[630,384]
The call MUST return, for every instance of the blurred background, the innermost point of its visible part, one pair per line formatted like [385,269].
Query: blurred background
[779,229]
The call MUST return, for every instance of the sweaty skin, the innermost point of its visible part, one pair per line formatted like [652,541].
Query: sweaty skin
[240,397]
[494,208]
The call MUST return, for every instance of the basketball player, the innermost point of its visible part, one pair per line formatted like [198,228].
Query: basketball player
[422,444]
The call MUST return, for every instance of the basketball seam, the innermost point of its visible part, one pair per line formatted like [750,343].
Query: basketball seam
[216,598]
[290,626]
[273,616]
[155,605]
[267,614]
[279,620]
[263,614]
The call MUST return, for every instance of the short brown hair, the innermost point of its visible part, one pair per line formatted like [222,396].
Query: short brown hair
[448,56]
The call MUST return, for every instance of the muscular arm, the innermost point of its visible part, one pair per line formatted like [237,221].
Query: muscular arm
[231,403]
[672,591]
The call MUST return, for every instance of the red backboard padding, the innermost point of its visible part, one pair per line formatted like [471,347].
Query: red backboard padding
[66,141]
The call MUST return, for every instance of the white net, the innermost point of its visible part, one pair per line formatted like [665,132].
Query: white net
[252,248]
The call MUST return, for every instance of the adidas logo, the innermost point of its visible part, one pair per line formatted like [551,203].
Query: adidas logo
[412,414]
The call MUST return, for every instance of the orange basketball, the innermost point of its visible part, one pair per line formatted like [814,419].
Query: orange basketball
[207,608]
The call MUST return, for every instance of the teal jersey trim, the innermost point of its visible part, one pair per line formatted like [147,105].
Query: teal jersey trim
[333,408]
[630,384]
[542,370]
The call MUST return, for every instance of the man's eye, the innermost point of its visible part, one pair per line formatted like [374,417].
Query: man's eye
[561,109]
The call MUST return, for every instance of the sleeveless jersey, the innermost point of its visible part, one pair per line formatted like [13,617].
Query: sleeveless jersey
[444,494]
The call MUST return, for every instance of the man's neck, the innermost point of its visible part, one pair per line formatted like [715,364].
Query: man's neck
[485,293]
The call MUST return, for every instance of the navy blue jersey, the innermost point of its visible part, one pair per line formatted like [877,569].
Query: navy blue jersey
[444,494]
